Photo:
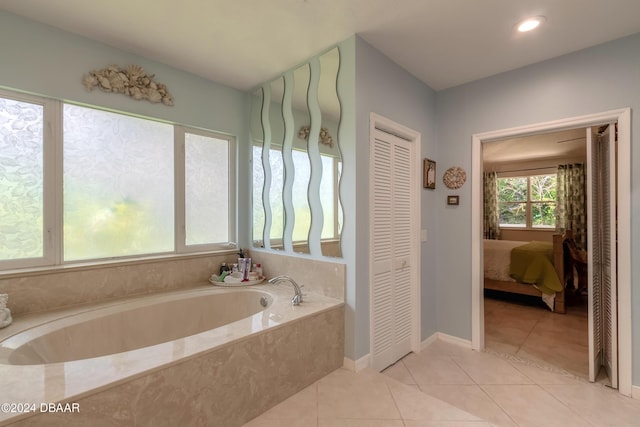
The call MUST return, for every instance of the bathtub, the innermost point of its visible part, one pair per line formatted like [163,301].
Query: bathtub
[204,356]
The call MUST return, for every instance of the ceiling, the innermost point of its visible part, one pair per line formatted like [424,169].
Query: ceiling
[567,144]
[242,43]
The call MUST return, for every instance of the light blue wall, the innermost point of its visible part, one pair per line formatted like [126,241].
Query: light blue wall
[45,61]
[384,88]
[598,79]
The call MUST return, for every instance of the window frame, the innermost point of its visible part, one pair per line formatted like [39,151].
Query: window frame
[180,189]
[53,225]
[528,203]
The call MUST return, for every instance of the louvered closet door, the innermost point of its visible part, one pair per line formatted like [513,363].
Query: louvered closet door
[391,290]
[603,344]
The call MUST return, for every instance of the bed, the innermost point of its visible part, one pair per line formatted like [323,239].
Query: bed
[539,266]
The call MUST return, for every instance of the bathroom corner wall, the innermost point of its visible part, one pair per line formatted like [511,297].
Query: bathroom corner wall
[319,276]
[35,292]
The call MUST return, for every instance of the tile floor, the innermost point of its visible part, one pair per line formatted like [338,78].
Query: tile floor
[524,327]
[450,385]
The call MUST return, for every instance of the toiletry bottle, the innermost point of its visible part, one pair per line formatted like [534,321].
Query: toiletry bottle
[224,267]
[234,269]
[258,269]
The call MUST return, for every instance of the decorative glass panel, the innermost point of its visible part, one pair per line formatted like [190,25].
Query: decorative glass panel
[21,180]
[207,189]
[118,185]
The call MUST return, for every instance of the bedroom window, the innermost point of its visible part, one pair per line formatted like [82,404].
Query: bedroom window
[79,183]
[527,201]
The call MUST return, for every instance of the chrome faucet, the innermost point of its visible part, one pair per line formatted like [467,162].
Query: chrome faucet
[297,298]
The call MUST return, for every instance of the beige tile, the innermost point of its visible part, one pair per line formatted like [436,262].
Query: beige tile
[530,405]
[364,395]
[303,404]
[472,399]
[359,423]
[416,405]
[543,373]
[487,369]
[602,406]
[307,421]
[426,368]
[400,373]
[415,423]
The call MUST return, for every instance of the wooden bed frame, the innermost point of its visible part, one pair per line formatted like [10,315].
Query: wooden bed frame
[524,289]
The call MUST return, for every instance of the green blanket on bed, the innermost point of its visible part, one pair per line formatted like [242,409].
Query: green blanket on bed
[532,263]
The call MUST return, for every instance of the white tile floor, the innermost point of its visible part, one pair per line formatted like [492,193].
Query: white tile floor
[450,385]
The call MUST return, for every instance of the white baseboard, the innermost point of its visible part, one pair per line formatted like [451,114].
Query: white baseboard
[364,361]
[454,340]
[635,392]
[426,343]
[356,365]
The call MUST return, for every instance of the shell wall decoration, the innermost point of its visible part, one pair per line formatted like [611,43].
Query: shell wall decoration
[132,81]
[325,136]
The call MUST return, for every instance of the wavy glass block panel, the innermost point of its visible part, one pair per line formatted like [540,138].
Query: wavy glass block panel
[21,180]
[207,189]
[118,185]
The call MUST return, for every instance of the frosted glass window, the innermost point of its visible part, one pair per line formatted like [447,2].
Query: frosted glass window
[299,196]
[21,180]
[258,185]
[328,198]
[207,189]
[118,185]
[275,194]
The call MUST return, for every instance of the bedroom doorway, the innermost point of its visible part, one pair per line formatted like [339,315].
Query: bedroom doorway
[519,320]
[621,187]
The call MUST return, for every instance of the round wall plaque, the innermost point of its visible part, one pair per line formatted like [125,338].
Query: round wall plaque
[454,177]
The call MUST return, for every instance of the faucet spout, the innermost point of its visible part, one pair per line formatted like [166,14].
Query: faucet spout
[297,297]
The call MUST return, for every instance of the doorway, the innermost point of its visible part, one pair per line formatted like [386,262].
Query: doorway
[622,187]
[530,174]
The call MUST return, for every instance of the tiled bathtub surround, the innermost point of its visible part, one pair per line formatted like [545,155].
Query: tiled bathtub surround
[324,277]
[42,291]
[50,290]
[224,376]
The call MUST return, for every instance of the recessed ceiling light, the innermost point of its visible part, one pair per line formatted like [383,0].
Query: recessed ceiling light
[530,23]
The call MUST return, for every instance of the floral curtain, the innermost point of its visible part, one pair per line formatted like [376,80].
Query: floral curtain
[491,211]
[571,213]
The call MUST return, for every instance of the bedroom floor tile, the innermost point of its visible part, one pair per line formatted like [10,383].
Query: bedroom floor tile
[531,331]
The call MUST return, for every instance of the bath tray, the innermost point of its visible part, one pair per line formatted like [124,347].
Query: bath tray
[237,284]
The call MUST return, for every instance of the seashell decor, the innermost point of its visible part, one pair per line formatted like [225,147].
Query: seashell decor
[132,81]
[325,136]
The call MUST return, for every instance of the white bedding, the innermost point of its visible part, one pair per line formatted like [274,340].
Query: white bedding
[497,258]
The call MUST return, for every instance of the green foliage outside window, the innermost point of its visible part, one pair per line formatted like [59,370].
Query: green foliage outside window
[527,201]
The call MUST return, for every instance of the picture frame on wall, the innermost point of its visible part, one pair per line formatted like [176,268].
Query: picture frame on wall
[453,200]
[429,174]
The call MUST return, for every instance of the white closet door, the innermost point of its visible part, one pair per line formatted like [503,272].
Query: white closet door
[391,245]
[602,242]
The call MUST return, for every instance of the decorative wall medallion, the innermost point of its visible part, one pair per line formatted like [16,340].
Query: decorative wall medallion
[132,81]
[454,177]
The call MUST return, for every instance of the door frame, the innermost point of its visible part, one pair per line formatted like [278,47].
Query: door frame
[378,122]
[623,117]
